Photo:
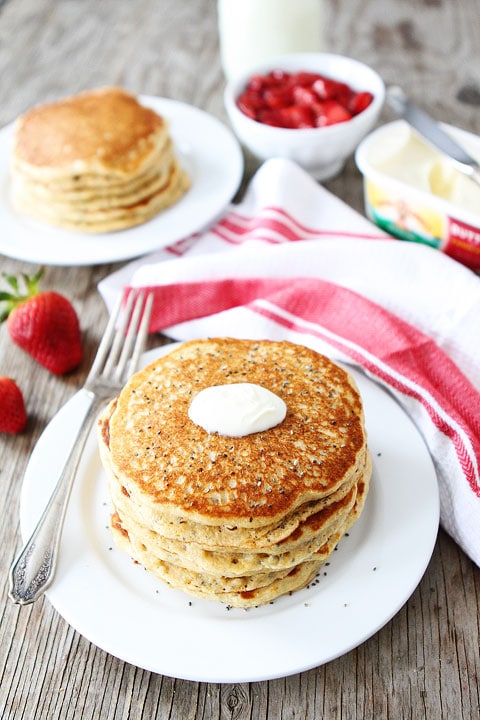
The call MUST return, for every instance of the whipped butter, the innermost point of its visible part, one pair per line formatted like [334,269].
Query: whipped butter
[403,155]
[237,409]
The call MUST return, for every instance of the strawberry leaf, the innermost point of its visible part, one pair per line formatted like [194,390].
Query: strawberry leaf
[11,299]
[32,281]
[12,281]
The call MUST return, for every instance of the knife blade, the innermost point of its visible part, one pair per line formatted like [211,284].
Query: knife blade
[432,132]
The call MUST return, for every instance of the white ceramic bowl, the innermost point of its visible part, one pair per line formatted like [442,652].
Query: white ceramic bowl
[320,151]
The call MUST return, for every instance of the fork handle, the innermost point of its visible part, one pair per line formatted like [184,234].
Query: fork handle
[33,570]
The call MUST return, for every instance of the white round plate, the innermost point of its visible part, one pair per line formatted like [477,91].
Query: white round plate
[122,609]
[208,151]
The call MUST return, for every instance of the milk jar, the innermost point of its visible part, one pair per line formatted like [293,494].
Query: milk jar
[251,31]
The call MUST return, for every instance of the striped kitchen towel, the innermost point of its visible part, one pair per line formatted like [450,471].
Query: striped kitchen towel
[293,262]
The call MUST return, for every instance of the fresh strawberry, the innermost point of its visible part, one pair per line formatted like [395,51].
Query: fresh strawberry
[333,113]
[249,102]
[277,77]
[13,416]
[300,100]
[270,117]
[44,324]
[359,102]
[296,116]
[304,95]
[303,78]
[256,83]
[277,97]
[328,89]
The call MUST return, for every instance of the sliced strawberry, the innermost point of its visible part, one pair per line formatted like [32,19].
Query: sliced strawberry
[328,89]
[333,113]
[318,111]
[300,100]
[277,97]
[277,77]
[249,102]
[304,79]
[270,117]
[359,102]
[304,95]
[256,83]
[296,117]
[13,416]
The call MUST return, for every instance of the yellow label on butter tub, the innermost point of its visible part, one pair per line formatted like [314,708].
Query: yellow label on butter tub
[404,219]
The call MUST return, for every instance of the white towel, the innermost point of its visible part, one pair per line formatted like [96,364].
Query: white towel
[292,261]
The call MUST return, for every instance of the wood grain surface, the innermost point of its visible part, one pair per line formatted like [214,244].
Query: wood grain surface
[425,662]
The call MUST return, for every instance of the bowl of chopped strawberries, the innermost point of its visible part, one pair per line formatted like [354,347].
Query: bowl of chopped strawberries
[313,108]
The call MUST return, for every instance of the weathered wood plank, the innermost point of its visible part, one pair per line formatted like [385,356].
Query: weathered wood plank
[425,662]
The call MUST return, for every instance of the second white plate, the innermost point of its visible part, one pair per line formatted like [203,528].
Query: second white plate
[209,153]
[122,609]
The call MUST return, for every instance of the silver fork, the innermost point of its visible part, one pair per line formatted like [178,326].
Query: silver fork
[117,357]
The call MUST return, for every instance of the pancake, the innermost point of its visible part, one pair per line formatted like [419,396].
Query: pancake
[176,466]
[242,592]
[104,131]
[238,563]
[113,193]
[94,162]
[203,510]
[107,216]
[272,537]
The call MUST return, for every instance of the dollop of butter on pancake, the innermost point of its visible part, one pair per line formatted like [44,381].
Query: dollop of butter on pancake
[237,409]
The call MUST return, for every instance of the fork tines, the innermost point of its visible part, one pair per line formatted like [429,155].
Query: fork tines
[124,336]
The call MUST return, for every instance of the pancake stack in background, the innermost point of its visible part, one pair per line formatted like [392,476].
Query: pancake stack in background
[94,162]
[240,520]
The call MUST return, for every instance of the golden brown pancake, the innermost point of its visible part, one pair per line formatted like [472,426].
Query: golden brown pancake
[94,162]
[237,562]
[203,510]
[270,538]
[107,214]
[184,470]
[84,190]
[105,131]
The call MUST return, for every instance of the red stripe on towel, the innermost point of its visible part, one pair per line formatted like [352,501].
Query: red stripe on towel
[392,350]
[235,228]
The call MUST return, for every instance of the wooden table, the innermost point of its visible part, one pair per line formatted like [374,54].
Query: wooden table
[425,662]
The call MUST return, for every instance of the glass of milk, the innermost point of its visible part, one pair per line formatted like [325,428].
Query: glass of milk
[251,31]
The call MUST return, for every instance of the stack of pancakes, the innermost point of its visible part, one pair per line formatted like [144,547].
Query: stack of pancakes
[241,520]
[94,162]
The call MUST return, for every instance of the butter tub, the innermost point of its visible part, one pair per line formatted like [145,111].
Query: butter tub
[414,193]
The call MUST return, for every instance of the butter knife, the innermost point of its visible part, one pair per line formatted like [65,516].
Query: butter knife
[432,132]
